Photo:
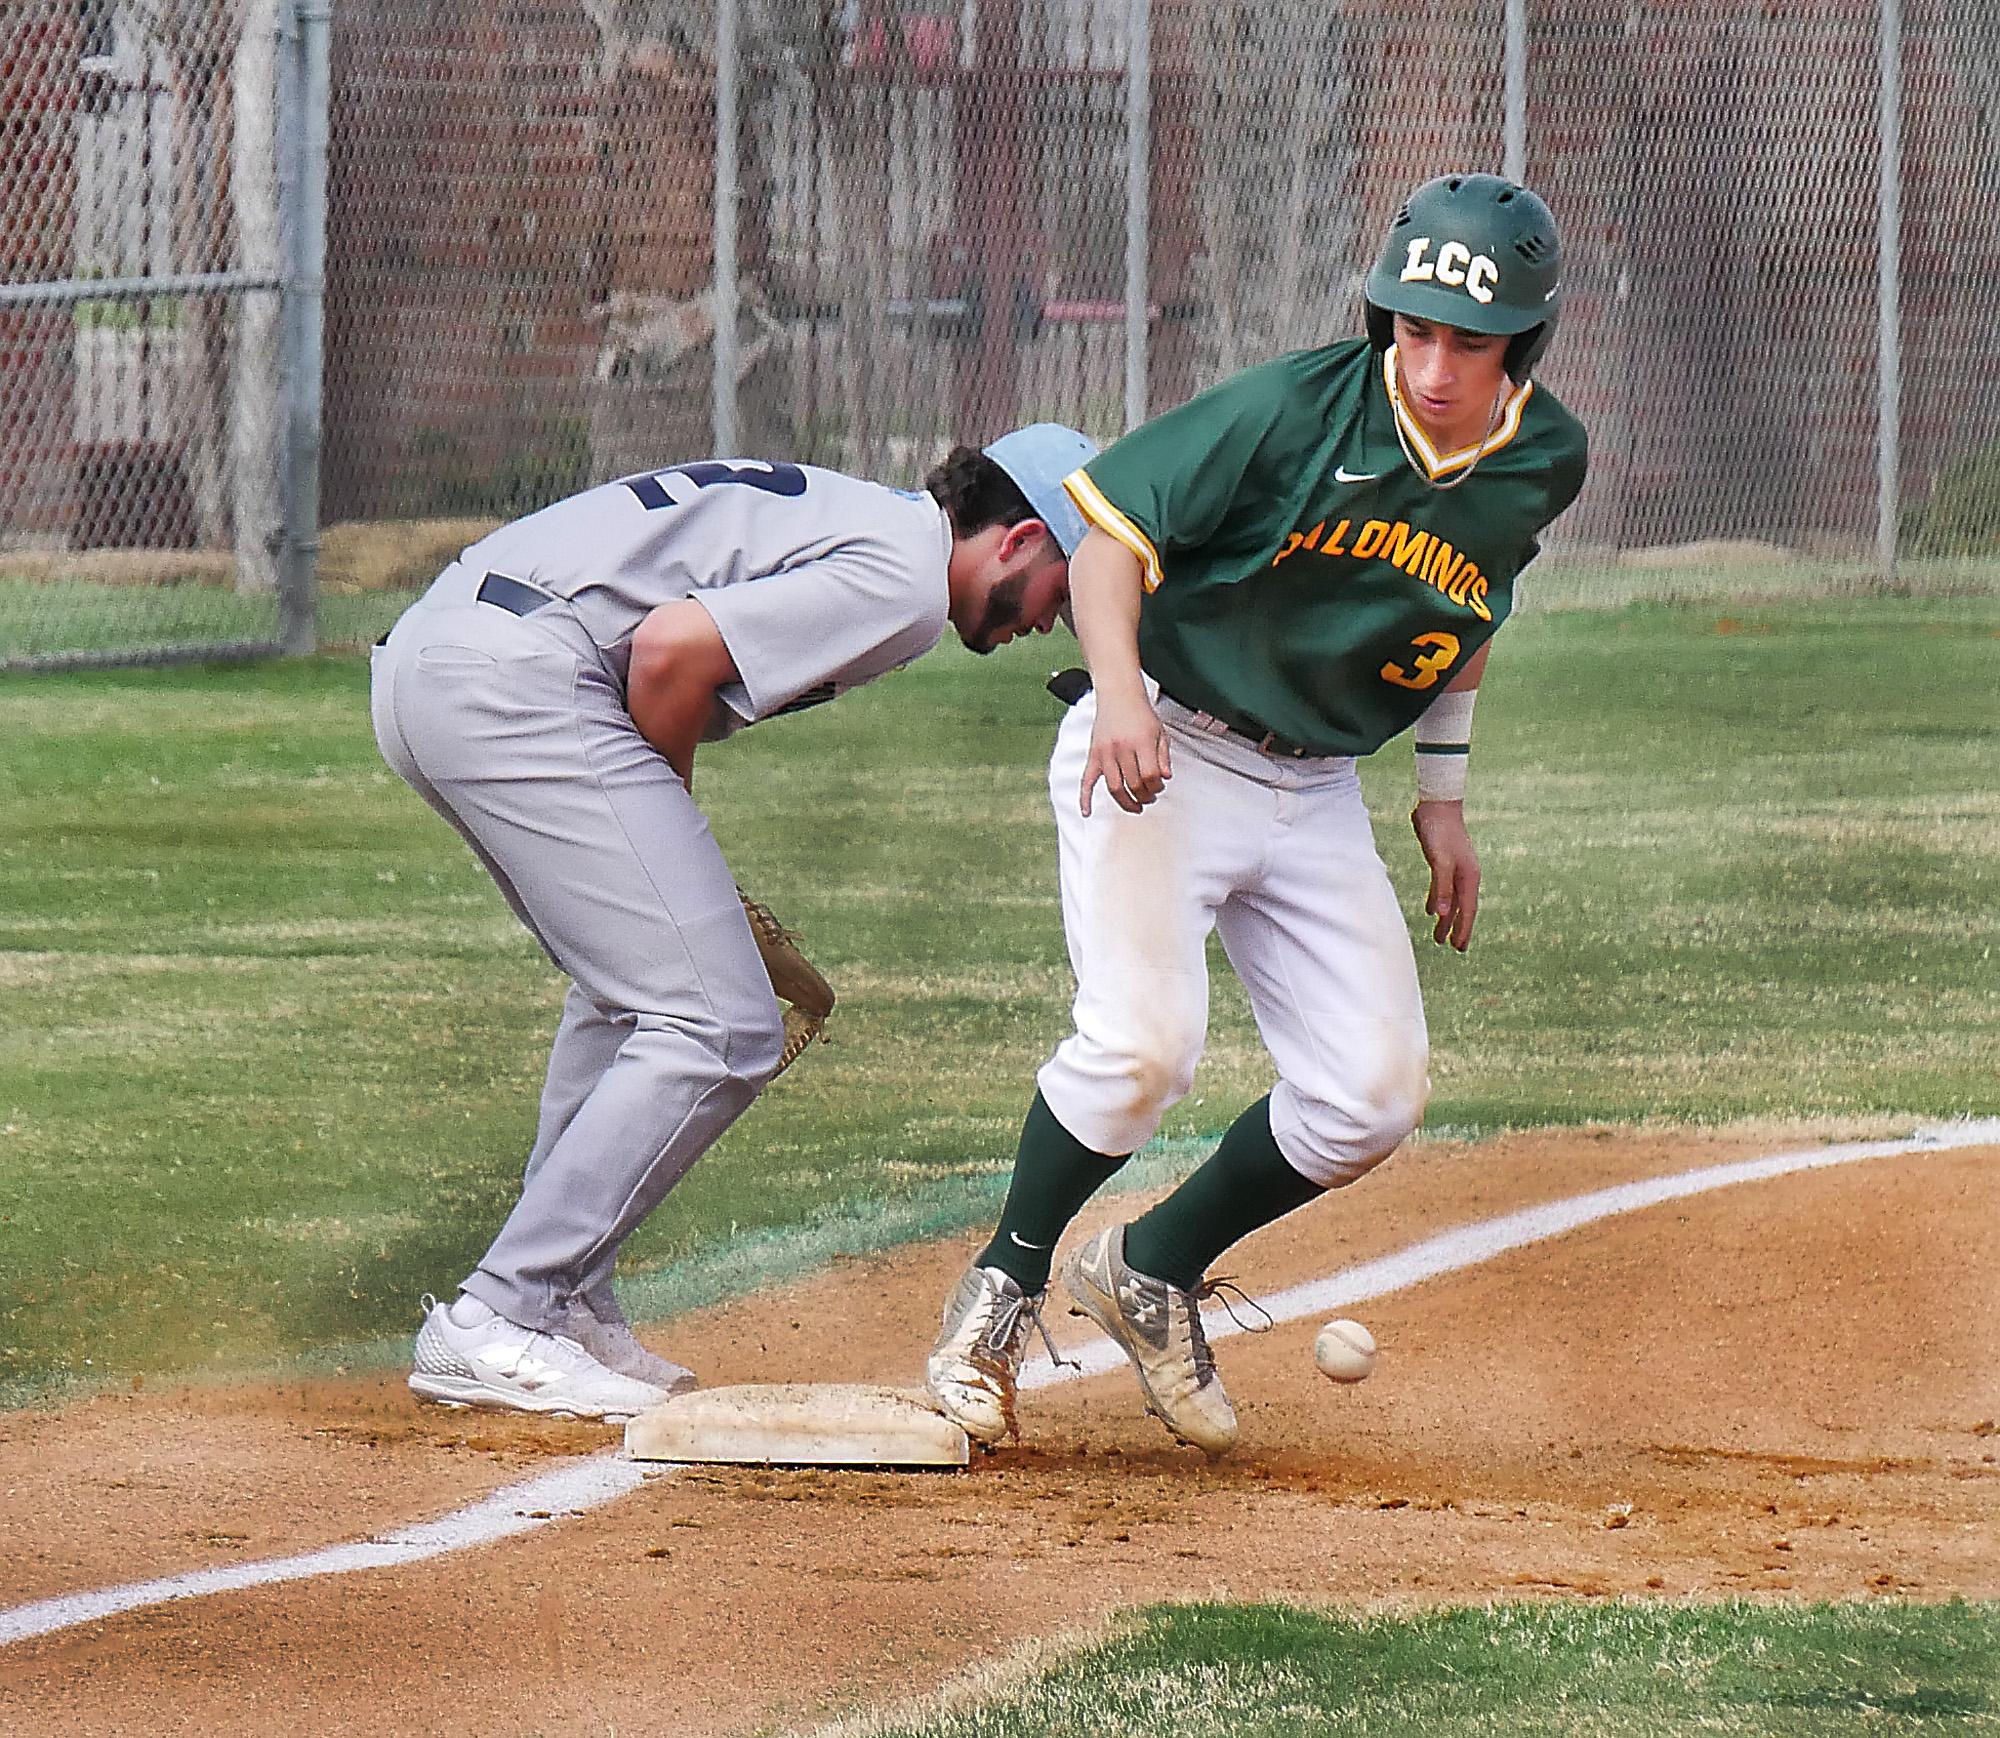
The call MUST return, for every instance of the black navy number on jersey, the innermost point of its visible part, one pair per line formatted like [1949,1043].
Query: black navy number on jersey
[779,479]
[811,697]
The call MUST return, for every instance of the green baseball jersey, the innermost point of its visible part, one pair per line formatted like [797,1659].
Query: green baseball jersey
[1302,576]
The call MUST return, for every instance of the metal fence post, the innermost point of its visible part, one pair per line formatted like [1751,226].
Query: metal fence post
[728,121]
[1888,293]
[304,98]
[1514,123]
[1138,204]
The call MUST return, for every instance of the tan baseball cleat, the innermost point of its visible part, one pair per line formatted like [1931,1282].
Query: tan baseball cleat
[1157,1326]
[975,1366]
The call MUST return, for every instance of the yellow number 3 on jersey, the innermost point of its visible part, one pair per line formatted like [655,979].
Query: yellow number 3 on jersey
[1430,665]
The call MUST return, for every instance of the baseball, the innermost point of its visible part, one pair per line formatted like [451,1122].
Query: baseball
[1344,1351]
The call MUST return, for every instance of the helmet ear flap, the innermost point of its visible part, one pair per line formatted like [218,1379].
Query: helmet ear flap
[1525,349]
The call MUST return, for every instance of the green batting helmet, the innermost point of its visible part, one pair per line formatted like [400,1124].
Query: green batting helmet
[1478,252]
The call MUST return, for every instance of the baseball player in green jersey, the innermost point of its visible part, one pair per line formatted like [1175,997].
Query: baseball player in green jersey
[1280,576]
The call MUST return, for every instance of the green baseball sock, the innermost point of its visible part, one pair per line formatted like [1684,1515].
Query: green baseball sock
[1246,1183]
[1054,1174]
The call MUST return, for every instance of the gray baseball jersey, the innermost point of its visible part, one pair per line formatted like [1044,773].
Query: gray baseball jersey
[514,728]
[818,581]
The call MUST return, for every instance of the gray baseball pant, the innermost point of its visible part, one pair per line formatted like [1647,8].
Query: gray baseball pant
[514,729]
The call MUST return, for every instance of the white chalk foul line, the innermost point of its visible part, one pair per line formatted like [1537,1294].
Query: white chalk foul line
[596,1479]
[573,1487]
[1472,1244]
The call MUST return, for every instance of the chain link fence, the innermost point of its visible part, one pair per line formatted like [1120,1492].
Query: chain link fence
[568,239]
[155,338]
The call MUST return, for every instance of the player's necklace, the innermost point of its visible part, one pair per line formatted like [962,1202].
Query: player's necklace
[1398,412]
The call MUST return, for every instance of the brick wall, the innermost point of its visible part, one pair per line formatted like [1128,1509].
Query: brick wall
[490,190]
[520,247]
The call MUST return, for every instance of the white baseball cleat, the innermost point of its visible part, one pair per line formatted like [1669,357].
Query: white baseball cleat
[973,1369]
[1157,1326]
[466,1355]
[602,1330]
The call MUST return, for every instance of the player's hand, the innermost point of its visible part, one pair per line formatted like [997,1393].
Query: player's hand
[1129,752]
[1454,895]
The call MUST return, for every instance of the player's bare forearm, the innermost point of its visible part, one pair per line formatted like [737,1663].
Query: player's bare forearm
[1128,749]
[1475,667]
[1439,821]
[1453,899]
[674,725]
[678,661]
[1105,584]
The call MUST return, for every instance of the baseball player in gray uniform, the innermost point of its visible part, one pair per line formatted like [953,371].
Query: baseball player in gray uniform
[546,696]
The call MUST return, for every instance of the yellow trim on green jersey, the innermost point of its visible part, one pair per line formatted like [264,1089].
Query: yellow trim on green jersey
[1090,502]
[1510,424]
[1324,589]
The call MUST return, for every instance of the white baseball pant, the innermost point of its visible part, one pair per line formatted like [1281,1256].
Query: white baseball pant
[515,731]
[1278,857]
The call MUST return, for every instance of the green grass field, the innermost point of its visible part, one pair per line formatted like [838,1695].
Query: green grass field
[46,619]
[52,606]
[1880,1670]
[269,1047]
[269,1042]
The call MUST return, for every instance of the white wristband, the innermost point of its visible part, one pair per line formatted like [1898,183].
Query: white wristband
[1444,747]
[1448,719]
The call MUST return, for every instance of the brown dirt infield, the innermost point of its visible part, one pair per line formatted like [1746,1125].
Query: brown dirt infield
[1785,1388]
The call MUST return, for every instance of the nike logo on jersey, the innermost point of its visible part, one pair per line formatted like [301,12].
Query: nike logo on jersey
[1341,474]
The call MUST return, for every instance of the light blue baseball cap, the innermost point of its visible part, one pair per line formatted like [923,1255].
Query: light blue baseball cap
[1038,457]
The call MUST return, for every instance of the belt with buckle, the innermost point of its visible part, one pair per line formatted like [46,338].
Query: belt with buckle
[511,595]
[1250,731]
[1070,686]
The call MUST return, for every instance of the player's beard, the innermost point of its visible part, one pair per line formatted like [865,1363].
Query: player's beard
[1003,611]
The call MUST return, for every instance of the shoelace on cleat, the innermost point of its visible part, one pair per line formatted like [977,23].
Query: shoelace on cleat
[1219,1289]
[1204,1359]
[1222,1284]
[1009,1325]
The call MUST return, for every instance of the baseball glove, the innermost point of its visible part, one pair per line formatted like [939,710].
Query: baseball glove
[806,995]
